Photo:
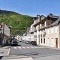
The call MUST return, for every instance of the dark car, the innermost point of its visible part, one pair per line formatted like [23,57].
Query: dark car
[33,43]
[14,43]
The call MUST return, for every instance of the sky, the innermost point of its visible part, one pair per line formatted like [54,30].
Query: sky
[31,7]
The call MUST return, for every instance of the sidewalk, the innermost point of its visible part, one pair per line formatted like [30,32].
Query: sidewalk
[17,58]
[4,51]
[53,57]
[49,47]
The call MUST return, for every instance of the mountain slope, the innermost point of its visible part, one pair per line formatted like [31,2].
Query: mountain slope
[18,22]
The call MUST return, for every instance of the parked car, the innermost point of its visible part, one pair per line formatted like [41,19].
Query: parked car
[33,43]
[14,43]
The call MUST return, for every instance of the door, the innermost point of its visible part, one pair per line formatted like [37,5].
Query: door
[56,42]
[1,41]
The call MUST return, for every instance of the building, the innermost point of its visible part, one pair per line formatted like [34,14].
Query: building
[47,30]
[29,34]
[4,33]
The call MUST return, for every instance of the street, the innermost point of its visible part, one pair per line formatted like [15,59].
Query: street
[35,52]
[32,51]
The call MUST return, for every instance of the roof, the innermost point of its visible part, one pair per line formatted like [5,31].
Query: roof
[39,23]
[43,18]
[52,16]
[56,22]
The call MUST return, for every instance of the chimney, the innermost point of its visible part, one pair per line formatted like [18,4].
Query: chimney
[39,18]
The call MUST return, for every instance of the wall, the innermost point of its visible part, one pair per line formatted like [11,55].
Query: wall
[6,30]
[51,36]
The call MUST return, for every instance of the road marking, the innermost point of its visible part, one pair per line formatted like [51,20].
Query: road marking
[15,47]
[8,51]
[32,47]
[35,47]
[24,47]
[19,47]
[38,47]
[27,47]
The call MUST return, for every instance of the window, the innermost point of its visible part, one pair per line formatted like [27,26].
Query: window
[38,36]
[41,40]
[41,35]
[44,40]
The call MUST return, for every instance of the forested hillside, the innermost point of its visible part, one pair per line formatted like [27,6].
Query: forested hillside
[16,21]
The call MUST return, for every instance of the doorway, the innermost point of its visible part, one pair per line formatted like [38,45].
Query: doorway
[56,42]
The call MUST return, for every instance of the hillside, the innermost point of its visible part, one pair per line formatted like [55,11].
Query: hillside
[18,22]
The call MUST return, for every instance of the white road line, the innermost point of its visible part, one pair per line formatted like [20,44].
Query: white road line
[19,47]
[15,47]
[27,47]
[35,47]
[38,47]
[24,47]
[32,47]
[41,47]
[8,51]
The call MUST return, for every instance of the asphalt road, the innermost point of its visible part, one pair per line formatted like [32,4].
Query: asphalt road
[33,51]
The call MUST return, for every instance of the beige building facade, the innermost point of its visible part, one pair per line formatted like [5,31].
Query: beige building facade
[47,31]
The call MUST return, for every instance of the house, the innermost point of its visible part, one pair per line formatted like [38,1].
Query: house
[4,33]
[47,31]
